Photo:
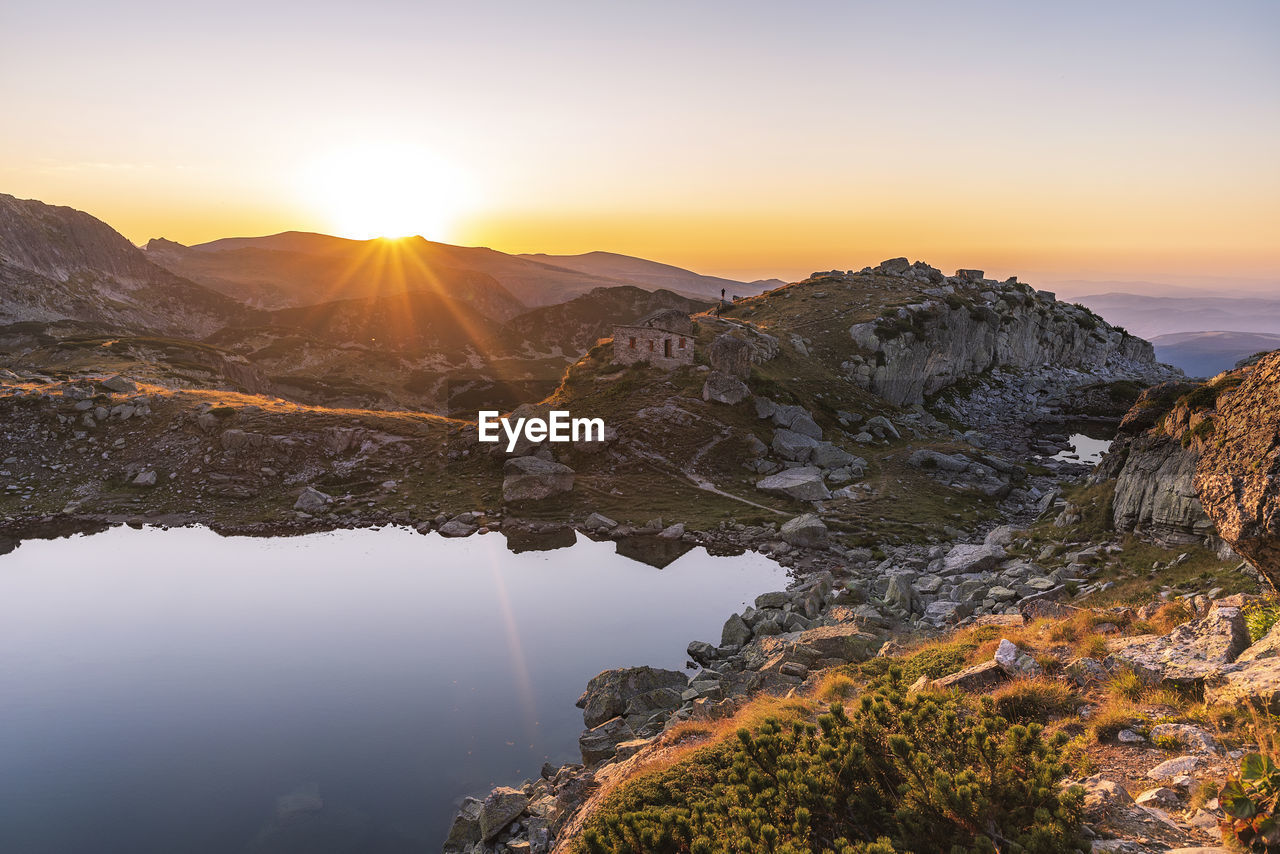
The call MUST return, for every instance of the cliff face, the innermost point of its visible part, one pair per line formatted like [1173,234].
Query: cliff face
[1238,475]
[57,263]
[972,325]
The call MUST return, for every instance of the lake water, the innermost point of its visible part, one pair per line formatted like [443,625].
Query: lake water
[1084,449]
[177,691]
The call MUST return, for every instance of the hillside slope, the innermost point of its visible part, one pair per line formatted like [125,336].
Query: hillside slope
[654,274]
[58,263]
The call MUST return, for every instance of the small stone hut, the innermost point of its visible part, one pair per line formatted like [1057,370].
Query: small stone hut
[663,338]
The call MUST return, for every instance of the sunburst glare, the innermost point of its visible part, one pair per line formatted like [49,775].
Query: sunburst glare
[387,190]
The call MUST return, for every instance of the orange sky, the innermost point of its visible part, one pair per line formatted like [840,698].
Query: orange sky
[745,139]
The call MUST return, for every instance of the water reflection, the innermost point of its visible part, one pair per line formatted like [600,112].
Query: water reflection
[162,691]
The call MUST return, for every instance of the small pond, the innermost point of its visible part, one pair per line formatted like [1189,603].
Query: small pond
[171,691]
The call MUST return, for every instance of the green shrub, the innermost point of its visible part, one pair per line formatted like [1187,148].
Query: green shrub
[1260,618]
[1251,802]
[914,773]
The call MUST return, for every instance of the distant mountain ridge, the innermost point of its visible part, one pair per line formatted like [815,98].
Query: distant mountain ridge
[656,274]
[1207,354]
[300,268]
[1151,316]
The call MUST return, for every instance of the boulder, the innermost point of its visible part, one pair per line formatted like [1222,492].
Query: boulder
[791,445]
[312,500]
[736,632]
[615,692]
[804,484]
[501,808]
[534,479]
[724,388]
[945,612]
[806,530]
[600,743]
[1191,737]
[1014,661]
[461,525]
[465,830]
[969,558]
[1254,677]
[1190,655]
[146,478]
[119,385]
[903,596]
[979,677]
[842,643]
[1171,768]
[730,355]
[828,456]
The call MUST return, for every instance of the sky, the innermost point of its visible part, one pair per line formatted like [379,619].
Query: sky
[1084,140]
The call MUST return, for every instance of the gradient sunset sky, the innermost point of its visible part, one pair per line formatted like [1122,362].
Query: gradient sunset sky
[1073,140]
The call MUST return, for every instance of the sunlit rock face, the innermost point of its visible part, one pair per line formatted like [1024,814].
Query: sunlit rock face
[1238,476]
[971,325]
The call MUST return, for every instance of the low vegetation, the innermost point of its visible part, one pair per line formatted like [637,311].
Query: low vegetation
[891,772]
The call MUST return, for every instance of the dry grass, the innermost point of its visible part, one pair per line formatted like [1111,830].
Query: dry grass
[1126,686]
[1107,722]
[1040,700]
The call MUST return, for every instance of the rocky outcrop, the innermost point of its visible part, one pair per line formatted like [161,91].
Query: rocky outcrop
[1190,655]
[1238,476]
[970,325]
[1156,494]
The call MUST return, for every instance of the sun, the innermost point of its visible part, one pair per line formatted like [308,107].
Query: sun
[386,190]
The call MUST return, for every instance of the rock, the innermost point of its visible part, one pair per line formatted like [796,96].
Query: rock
[1238,475]
[1162,797]
[999,537]
[828,456]
[929,459]
[736,632]
[1037,607]
[600,743]
[1255,682]
[146,478]
[612,692]
[903,596]
[703,653]
[459,527]
[599,522]
[968,558]
[1086,671]
[979,677]
[1155,491]
[893,267]
[534,479]
[1174,768]
[731,356]
[465,830]
[1192,738]
[723,388]
[1128,736]
[806,530]
[312,500]
[119,385]
[501,808]
[843,643]
[804,484]
[945,612]
[1015,662]
[791,445]
[672,532]
[1101,794]
[881,424]
[1188,655]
